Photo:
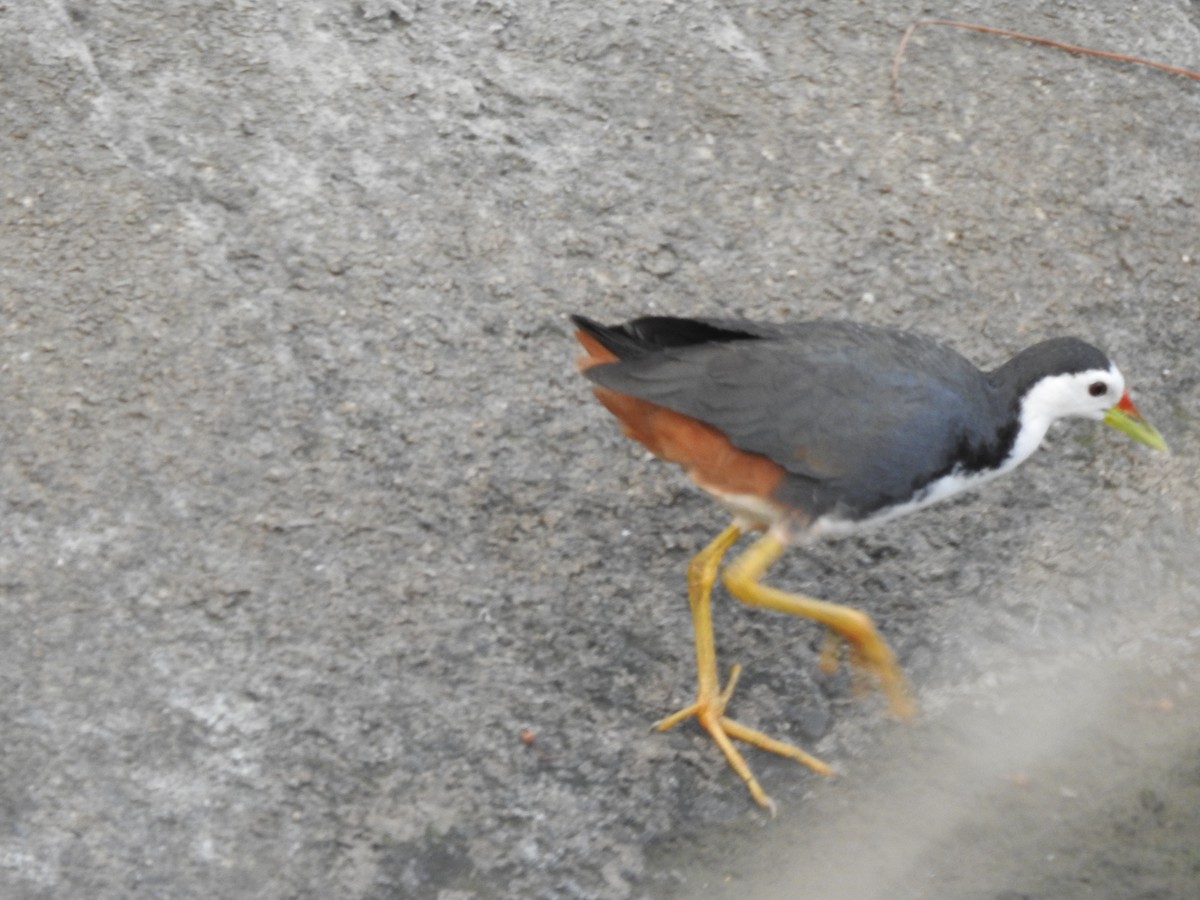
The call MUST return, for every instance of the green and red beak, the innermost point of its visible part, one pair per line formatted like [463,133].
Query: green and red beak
[1125,417]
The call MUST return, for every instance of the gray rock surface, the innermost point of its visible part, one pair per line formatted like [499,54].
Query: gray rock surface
[321,575]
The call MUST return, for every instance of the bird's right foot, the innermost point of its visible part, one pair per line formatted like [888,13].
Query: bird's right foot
[709,710]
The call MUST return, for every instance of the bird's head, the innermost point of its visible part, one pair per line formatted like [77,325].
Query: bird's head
[1096,392]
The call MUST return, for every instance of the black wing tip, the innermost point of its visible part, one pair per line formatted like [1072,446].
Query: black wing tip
[583,323]
[611,337]
[648,334]
[623,341]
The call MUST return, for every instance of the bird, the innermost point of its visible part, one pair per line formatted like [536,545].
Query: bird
[814,430]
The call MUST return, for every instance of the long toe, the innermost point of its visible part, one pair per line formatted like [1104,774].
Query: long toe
[709,710]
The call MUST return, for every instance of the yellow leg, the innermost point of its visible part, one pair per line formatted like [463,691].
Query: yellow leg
[710,703]
[868,651]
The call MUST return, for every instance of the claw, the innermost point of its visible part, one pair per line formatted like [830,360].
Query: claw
[831,652]
[710,712]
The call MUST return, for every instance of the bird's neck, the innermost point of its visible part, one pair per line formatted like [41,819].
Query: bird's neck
[1036,402]
[1032,429]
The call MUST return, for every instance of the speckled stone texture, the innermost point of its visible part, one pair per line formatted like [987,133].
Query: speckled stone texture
[321,573]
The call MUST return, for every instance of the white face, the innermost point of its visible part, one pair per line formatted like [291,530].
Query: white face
[1087,395]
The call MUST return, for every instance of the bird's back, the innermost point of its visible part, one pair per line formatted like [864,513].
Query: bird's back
[859,418]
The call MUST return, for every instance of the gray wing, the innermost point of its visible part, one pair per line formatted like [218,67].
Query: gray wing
[860,415]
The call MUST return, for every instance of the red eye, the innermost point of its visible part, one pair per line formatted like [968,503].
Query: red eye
[1098,389]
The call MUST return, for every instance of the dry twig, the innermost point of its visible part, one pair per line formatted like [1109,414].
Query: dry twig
[1033,39]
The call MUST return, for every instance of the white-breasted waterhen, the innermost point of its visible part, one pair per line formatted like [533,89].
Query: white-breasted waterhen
[814,429]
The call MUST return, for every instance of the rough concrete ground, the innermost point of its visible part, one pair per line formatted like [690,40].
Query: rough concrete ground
[307,516]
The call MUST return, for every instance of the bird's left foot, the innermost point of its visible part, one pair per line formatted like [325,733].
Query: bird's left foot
[709,710]
[872,664]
